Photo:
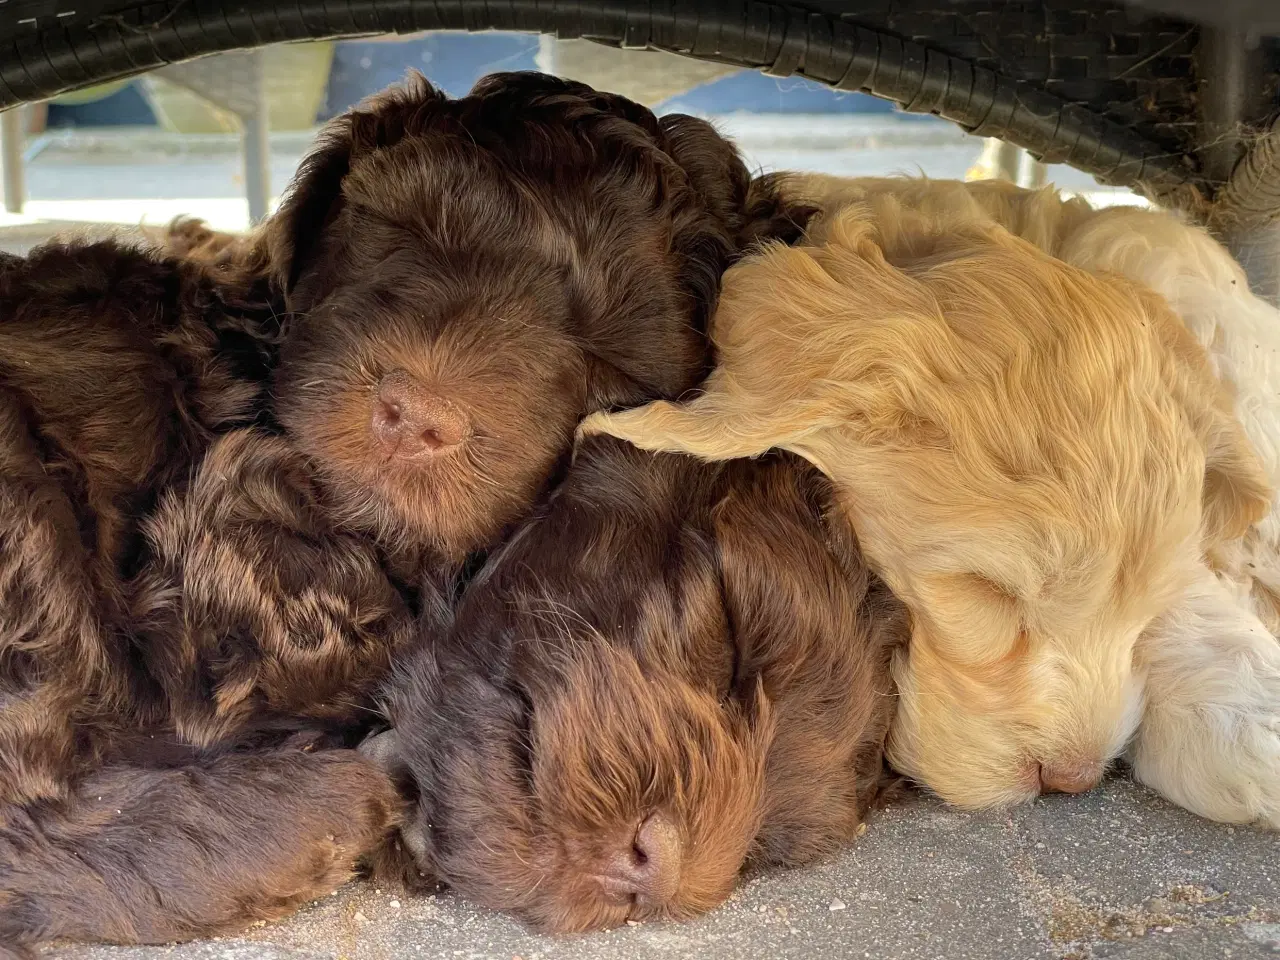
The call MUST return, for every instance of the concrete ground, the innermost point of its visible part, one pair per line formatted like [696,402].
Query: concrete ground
[1115,874]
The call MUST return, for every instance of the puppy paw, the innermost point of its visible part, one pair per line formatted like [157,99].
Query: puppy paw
[1210,736]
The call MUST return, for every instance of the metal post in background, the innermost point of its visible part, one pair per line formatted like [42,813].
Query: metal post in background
[12,138]
[1032,174]
[236,82]
[1245,215]
[257,147]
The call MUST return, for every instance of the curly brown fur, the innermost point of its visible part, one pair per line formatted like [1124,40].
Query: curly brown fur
[117,368]
[199,848]
[193,239]
[253,606]
[465,280]
[482,272]
[673,670]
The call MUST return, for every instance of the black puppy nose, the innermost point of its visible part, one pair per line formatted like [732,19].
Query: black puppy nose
[648,870]
[409,420]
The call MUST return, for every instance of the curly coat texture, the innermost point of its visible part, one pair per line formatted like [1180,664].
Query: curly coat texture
[1210,732]
[117,369]
[254,606]
[491,267]
[1035,458]
[672,670]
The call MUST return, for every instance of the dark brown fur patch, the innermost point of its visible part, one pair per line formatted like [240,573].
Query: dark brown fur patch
[158,854]
[253,606]
[117,368]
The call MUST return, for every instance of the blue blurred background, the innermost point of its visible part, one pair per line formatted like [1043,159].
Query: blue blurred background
[455,61]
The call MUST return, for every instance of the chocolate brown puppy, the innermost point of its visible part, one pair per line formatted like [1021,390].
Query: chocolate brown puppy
[467,278]
[673,670]
[118,366]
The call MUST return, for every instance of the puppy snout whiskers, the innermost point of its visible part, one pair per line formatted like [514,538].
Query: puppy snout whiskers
[1070,776]
[411,421]
[646,873]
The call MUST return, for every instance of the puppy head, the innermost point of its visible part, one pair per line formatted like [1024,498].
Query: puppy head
[590,747]
[1056,475]
[467,278]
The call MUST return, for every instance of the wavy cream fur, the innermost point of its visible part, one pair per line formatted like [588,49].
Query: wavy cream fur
[1035,458]
[1211,738]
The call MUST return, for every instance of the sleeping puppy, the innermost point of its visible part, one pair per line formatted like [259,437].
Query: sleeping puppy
[672,670]
[464,279]
[1210,733]
[1034,458]
[467,278]
[118,366]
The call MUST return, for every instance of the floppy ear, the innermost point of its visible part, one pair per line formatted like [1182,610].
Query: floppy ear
[813,627]
[290,237]
[1237,493]
[749,210]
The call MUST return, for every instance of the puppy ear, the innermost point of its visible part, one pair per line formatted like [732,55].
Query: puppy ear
[748,210]
[291,236]
[797,592]
[1237,493]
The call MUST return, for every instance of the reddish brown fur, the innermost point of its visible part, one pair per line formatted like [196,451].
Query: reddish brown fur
[667,638]
[192,239]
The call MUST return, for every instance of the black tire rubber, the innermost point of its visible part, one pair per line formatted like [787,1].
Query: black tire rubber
[1083,82]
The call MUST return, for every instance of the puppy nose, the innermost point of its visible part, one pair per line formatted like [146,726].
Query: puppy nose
[410,420]
[1070,776]
[648,871]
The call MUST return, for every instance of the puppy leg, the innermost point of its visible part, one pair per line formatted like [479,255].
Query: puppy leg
[702,428]
[1210,734]
[154,856]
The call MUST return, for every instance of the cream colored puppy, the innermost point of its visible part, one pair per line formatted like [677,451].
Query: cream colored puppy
[1034,457]
[1210,738]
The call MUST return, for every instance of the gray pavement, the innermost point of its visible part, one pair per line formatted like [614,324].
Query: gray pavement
[1114,874]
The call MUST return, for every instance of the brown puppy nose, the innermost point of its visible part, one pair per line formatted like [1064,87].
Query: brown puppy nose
[648,871]
[1070,776]
[411,421]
